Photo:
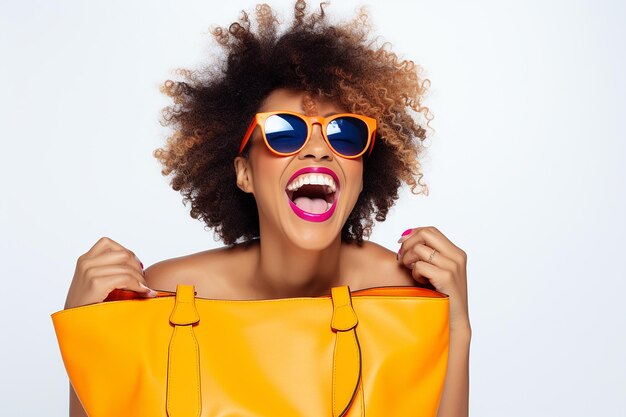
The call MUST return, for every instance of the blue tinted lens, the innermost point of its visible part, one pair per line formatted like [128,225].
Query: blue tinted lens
[347,135]
[285,132]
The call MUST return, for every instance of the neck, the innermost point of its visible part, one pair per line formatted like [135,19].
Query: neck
[284,270]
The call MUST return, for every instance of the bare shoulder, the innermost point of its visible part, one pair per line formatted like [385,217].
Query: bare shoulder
[166,274]
[377,266]
[211,272]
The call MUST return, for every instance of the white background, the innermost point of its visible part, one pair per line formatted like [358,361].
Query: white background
[525,171]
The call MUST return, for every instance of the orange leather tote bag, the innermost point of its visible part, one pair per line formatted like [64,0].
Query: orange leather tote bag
[377,352]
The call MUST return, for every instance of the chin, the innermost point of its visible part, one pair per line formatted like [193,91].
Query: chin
[313,238]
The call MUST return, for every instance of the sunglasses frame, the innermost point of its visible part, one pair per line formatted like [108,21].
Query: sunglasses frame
[260,118]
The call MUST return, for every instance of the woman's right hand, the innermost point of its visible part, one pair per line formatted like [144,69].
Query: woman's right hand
[103,268]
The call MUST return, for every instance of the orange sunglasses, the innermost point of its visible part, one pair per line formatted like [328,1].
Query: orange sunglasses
[285,133]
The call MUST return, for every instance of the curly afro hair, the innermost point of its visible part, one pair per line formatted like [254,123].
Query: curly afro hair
[214,105]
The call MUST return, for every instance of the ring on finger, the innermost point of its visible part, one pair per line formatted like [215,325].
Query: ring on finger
[432,255]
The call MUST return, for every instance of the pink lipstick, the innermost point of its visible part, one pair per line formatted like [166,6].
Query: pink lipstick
[315,217]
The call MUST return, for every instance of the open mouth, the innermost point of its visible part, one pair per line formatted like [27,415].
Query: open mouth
[313,196]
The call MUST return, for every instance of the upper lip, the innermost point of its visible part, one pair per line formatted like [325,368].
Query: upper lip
[317,170]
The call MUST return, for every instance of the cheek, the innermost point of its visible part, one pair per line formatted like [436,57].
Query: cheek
[355,169]
[267,173]
[354,176]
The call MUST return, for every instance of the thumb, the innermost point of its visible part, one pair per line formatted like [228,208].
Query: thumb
[148,291]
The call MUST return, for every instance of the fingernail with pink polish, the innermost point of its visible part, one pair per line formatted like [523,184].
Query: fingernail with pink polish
[404,235]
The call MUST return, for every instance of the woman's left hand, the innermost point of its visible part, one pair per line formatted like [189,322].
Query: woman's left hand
[435,260]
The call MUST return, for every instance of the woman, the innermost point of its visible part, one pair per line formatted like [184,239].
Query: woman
[288,151]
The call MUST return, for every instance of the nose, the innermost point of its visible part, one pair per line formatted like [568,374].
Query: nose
[316,147]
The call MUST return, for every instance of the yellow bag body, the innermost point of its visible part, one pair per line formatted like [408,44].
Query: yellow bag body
[378,352]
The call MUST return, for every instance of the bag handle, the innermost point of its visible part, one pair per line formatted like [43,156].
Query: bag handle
[184,398]
[183,366]
[347,353]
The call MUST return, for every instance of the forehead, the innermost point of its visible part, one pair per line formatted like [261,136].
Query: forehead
[299,101]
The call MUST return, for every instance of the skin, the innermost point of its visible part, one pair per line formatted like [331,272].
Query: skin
[294,257]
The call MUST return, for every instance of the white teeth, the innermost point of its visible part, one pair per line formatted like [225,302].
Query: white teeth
[316,179]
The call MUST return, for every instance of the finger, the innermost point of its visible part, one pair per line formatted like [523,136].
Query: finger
[105,244]
[115,257]
[423,269]
[422,252]
[95,273]
[417,275]
[107,283]
[122,257]
[432,237]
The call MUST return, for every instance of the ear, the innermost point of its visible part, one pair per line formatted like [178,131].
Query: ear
[243,173]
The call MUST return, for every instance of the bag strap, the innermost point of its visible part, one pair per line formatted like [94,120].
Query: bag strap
[347,353]
[184,398]
[183,366]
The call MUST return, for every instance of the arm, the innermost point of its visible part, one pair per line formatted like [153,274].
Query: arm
[76,408]
[93,281]
[455,397]
[435,260]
